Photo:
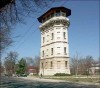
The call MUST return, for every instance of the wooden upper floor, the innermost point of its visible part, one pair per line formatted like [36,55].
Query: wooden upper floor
[56,11]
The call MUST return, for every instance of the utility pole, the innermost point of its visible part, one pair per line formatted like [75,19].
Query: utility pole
[76,59]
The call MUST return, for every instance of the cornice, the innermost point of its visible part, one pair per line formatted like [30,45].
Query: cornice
[54,57]
[54,42]
[54,21]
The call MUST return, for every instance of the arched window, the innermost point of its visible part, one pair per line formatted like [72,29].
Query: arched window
[65,63]
[42,65]
[51,51]
[65,51]
[64,35]
[51,64]
[43,53]
[52,36]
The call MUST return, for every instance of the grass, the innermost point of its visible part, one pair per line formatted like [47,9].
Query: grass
[76,79]
[81,79]
[73,78]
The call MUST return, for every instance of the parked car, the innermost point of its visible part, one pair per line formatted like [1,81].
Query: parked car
[23,75]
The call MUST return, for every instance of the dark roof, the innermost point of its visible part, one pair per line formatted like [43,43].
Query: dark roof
[32,67]
[68,11]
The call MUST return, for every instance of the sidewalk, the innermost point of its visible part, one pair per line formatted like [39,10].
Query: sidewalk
[42,79]
[55,80]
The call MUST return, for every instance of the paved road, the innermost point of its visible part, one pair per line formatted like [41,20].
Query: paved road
[10,82]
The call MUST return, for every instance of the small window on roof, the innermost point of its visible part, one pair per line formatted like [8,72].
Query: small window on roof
[44,20]
[58,13]
[48,17]
[63,14]
[52,15]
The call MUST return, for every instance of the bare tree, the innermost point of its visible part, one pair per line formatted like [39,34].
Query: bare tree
[1,68]
[74,65]
[37,63]
[88,63]
[5,39]
[14,11]
[81,65]
[29,61]
[10,62]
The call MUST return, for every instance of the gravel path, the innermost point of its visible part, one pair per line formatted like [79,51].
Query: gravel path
[42,79]
[25,82]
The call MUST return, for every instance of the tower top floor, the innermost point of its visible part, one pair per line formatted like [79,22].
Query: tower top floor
[56,11]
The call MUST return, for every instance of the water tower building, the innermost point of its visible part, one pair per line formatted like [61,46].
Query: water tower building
[54,41]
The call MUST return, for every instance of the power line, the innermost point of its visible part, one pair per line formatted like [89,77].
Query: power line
[64,2]
[27,31]
[25,40]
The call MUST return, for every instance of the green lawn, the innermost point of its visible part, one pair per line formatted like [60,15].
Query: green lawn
[75,79]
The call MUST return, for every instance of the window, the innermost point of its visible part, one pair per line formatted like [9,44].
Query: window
[47,38]
[58,53]
[57,23]
[48,17]
[44,20]
[42,53]
[64,35]
[51,51]
[57,28]
[47,52]
[41,65]
[58,32]
[57,13]
[64,28]
[65,63]
[51,64]
[43,39]
[58,64]
[52,15]
[58,50]
[46,65]
[65,50]
[52,36]
[58,37]
[63,14]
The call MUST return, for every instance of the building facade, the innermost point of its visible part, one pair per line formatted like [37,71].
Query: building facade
[32,70]
[54,41]
[95,69]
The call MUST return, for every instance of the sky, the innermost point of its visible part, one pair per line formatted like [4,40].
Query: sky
[83,31]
